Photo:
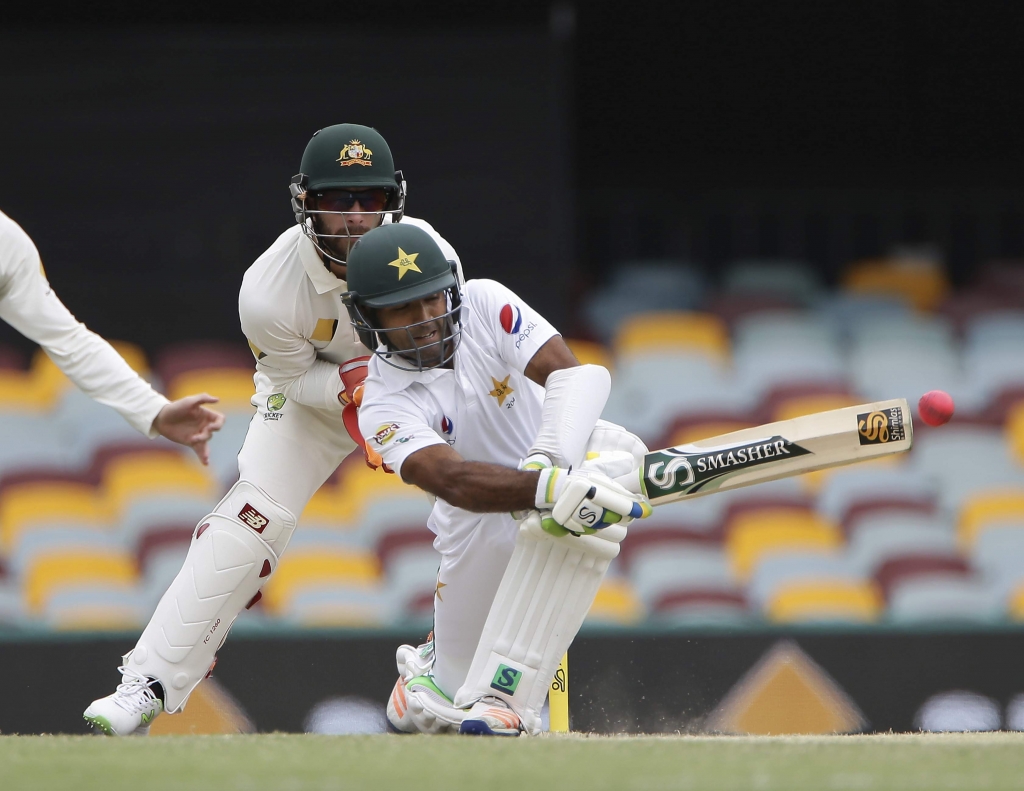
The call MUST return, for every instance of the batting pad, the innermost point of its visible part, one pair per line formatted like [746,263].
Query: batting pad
[229,560]
[546,592]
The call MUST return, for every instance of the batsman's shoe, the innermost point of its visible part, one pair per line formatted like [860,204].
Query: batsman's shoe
[130,710]
[491,717]
[419,706]
[415,660]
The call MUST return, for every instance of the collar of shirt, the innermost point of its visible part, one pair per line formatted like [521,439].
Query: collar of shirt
[320,276]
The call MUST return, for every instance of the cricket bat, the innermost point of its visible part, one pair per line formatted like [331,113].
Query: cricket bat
[775,450]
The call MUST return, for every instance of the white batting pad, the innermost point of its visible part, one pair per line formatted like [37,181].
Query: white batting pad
[543,597]
[227,564]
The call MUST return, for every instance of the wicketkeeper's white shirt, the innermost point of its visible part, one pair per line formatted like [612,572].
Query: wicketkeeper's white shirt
[29,305]
[485,407]
[297,327]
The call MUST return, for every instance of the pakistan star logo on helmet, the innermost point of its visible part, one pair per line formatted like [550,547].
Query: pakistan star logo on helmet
[355,153]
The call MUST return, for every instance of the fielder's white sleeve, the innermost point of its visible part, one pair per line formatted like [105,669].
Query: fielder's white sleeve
[29,305]
[286,355]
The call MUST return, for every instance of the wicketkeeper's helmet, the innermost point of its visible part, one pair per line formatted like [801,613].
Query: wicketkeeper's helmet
[345,156]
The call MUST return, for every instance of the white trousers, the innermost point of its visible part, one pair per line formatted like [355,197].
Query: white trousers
[467,580]
[289,453]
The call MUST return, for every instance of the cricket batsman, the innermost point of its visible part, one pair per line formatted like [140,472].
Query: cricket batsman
[29,304]
[298,329]
[474,397]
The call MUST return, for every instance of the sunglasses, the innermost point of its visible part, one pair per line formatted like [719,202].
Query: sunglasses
[371,200]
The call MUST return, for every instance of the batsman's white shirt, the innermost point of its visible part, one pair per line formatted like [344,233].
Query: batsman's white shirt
[486,409]
[29,305]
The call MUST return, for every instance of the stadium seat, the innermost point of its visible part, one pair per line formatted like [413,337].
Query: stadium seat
[590,353]
[1015,433]
[233,386]
[846,313]
[325,605]
[920,282]
[916,331]
[226,444]
[800,567]
[825,601]
[793,280]
[998,554]
[640,287]
[861,491]
[136,476]
[86,425]
[882,537]
[943,455]
[411,579]
[785,329]
[874,373]
[994,370]
[798,406]
[48,538]
[986,509]
[616,603]
[919,565]
[30,440]
[755,536]
[31,504]
[944,599]
[698,607]
[53,572]
[95,607]
[318,567]
[1002,329]
[12,604]
[761,369]
[178,358]
[677,568]
[679,333]
[143,514]
[689,427]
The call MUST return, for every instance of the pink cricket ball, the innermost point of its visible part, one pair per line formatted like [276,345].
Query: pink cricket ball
[935,407]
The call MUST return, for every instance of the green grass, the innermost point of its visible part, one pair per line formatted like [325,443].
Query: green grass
[420,763]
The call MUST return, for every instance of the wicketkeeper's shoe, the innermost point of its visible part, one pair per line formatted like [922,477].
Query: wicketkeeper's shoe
[130,710]
[491,717]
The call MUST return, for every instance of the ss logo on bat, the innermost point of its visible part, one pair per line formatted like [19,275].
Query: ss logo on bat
[666,479]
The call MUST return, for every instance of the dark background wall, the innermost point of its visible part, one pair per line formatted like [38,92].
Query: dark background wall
[147,147]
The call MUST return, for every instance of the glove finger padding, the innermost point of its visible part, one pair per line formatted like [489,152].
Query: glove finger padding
[585,501]
[613,464]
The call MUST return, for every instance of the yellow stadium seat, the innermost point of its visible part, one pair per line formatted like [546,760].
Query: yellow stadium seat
[920,282]
[616,602]
[588,352]
[668,331]
[826,599]
[1015,431]
[133,355]
[135,475]
[58,570]
[984,509]
[28,504]
[799,406]
[758,534]
[360,486]
[697,431]
[1015,604]
[301,569]
[20,391]
[233,386]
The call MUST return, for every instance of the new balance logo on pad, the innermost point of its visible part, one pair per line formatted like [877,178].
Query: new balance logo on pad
[253,518]
[506,679]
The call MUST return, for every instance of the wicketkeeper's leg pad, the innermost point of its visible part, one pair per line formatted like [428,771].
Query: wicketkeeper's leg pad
[544,595]
[230,559]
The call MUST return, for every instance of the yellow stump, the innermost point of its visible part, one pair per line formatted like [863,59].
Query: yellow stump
[558,698]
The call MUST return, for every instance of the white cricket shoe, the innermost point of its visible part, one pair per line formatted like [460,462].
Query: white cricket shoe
[420,706]
[130,710]
[491,716]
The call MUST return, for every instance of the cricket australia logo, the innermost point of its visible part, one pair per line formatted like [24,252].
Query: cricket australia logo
[687,469]
[355,153]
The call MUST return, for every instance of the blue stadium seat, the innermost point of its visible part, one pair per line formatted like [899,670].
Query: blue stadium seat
[944,599]
[965,459]
[996,329]
[340,606]
[675,567]
[776,571]
[880,538]
[794,280]
[847,312]
[846,489]
[785,329]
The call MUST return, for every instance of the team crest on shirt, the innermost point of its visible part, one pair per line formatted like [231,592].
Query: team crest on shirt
[503,392]
[511,319]
[355,153]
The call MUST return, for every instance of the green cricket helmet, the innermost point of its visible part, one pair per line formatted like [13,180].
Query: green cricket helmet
[340,158]
[394,265]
